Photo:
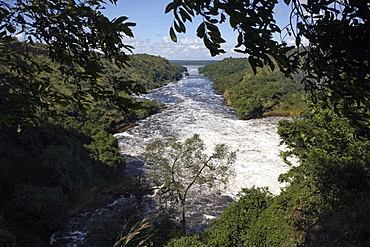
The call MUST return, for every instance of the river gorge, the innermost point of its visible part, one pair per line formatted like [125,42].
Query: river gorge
[193,107]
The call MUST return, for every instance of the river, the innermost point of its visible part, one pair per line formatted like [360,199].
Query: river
[194,108]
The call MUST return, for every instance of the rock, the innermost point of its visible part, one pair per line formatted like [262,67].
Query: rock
[126,127]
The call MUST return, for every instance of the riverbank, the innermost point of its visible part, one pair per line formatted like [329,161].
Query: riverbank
[193,107]
[99,215]
[98,197]
[256,93]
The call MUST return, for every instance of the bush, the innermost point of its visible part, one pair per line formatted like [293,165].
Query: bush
[7,239]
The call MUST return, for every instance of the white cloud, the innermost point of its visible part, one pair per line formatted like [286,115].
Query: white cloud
[291,41]
[185,48]
[19,36]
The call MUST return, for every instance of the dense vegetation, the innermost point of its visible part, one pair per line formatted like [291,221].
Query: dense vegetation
[256,95]
[49,168]
[150,71]
[327,201]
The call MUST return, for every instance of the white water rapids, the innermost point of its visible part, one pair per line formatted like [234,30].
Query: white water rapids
[194,108]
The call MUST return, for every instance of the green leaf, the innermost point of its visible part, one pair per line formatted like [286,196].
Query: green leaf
[223,18]
[120,20]
[298,40]
[201,30]
[182,27]
[253,64]
[170,6]
[11,29]
[185,16]
[178,27]
[271,63]
[212,27]
[216,37]
[173,35]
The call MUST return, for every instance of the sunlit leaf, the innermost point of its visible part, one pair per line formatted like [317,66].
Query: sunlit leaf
[173,35]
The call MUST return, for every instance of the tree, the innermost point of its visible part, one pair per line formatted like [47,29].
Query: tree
[331,181]
[335,62]
[77,36]
[177,167]
[332,159]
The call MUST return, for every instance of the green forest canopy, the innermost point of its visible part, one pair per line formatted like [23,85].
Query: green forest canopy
[253,95]
[48,167]
[327,202]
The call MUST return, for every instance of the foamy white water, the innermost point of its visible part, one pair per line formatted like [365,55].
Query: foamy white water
[194,108]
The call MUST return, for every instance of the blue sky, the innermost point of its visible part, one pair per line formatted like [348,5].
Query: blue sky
[152,30]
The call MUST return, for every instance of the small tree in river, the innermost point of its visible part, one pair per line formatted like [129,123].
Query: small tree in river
[178,166]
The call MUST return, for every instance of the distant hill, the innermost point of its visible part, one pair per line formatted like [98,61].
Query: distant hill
[194,62]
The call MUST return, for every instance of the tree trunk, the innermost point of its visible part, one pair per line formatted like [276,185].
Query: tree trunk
[183,221]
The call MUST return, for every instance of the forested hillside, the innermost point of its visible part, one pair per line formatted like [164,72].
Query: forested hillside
[55,142]
[48,166]
[255,95]
[150,71]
